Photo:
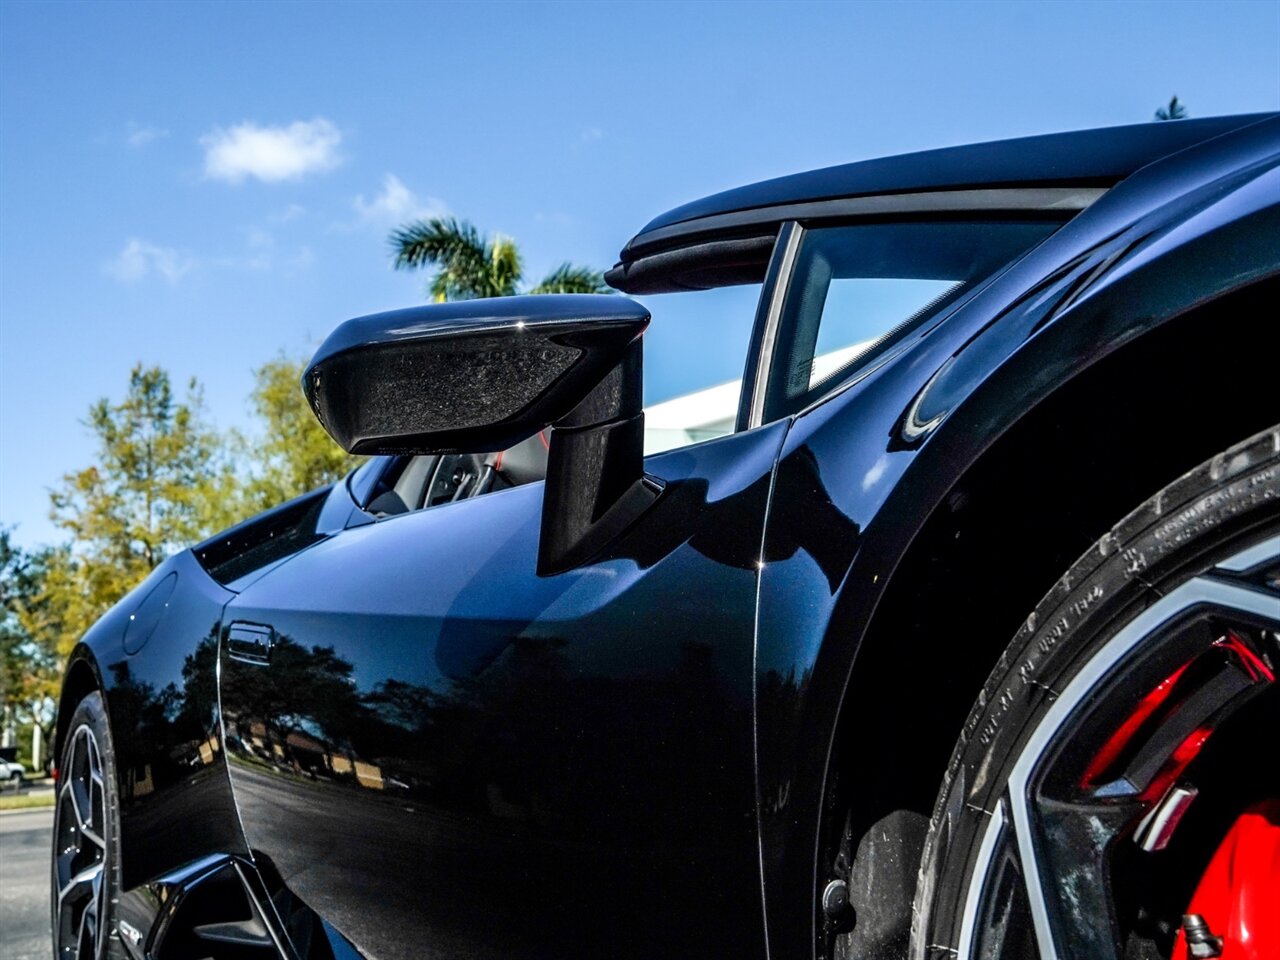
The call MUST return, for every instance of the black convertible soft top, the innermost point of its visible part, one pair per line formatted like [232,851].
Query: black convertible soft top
[725,238]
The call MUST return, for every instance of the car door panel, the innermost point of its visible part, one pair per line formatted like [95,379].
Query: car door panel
[446,755]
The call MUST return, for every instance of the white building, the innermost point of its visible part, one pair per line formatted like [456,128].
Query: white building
[711,412]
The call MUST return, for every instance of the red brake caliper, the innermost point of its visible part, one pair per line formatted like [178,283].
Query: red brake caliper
[1235,912]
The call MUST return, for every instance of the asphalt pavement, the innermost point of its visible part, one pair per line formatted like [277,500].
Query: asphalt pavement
[25,838]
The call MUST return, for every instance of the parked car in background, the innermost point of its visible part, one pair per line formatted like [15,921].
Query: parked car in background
[950,631]
[11,771]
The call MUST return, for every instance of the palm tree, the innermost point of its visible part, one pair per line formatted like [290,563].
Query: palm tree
[1174,111]
[469,266]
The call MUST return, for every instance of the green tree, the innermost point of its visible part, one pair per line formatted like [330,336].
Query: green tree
[572,278]
[30,662]
[1174,111]
[161,482]
[293,454]
[469,266]
[19,585]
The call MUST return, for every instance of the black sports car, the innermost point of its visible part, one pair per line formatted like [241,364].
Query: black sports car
[960,641]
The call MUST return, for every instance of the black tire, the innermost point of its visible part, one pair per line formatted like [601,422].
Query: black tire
[971,871]
[86,839]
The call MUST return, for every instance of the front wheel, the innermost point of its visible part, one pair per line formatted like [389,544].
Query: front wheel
[1114,793]
[85,838]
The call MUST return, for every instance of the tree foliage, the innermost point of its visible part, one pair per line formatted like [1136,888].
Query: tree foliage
[149,492]
[30,662]
[469,266]
[1173,111]
[570,278]
[161,481]
[292,453]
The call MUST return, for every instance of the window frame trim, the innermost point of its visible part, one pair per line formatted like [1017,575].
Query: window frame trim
[764,334]
[781,274]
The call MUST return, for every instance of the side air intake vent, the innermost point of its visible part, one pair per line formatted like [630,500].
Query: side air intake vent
[216,919]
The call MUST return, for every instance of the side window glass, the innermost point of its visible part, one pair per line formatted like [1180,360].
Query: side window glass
[363,479]
[398,485]
[858,311]
[694,353]
[404,484]
[857,291]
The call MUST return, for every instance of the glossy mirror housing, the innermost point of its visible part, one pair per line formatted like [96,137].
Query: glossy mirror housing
[470,376]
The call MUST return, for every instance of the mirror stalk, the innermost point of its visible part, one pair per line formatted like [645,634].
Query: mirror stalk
[596,485]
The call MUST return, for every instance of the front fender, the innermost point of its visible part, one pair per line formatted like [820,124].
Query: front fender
[862,472]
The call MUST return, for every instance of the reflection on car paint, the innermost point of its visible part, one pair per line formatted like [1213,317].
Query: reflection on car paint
[432,732]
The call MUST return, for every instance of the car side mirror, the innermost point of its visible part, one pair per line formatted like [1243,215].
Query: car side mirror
[477,376]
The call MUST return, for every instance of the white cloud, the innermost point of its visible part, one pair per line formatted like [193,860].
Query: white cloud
[140,259]
[271,154]
[292,212]
[396,204]
[261,247]
[586,137]
[300,261]
[140,136]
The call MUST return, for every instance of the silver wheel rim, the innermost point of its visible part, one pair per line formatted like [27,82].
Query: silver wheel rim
[1016,819]
[80,852]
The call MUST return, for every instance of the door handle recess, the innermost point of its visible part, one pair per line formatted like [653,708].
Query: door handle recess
[250,643]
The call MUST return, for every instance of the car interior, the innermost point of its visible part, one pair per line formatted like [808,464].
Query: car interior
[404,484]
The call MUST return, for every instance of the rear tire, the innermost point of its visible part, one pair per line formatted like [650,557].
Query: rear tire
[86,839]
[1057,784]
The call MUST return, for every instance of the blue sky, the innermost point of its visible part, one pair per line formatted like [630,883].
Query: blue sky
[205,185]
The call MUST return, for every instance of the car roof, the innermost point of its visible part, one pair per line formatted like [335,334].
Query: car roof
[1081,159]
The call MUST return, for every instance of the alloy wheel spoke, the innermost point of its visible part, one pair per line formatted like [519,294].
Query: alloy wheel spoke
[80,781]
[995,909]
[93,837]
[74,797]
[86,934]
[67,833]
[97,929]
[1069,887]
[1063,841]
[80,862]
[82,881]
[97,797]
